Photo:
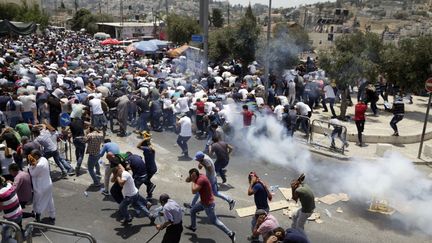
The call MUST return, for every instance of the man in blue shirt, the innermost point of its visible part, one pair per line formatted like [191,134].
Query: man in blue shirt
[107,147]
[173,219]
[138,167]
[261,197]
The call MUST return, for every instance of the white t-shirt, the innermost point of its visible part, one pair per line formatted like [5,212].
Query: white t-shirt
[303,108]
[185,127]
[329,91]
[27,101]
[278,110]
[244,93]
[183,104]
[96,106]
[77,110]
[129,188]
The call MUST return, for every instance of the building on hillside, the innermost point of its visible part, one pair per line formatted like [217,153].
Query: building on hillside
[127,30]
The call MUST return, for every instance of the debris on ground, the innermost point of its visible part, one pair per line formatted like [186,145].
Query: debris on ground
[339,210]
[286,192]
[381,206]
[319,221]
[330,199]
[314,216]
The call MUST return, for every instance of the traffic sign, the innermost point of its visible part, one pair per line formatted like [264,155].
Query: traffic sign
[428,85]
[198,38]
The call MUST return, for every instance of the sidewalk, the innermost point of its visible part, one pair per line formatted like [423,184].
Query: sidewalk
[377,132]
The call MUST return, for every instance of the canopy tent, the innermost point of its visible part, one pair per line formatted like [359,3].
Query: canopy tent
[8,27]
[178,51]
[146,47]
[110,41]
[160,43]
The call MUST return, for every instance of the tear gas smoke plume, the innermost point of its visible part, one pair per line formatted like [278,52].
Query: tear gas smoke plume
[392,178]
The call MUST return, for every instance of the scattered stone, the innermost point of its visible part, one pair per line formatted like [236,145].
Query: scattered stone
[330,199]
[314,216]
[319,221]
[339,210]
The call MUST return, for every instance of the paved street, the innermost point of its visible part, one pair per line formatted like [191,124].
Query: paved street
[97,215]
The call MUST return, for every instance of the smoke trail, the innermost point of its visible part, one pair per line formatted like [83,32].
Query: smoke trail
[393,178]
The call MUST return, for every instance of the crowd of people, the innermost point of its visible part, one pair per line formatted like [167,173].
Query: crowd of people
[65,86]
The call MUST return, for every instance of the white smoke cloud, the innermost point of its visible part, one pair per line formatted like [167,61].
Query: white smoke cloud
[392,178]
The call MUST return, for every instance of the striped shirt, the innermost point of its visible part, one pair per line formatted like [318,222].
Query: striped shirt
[9,202]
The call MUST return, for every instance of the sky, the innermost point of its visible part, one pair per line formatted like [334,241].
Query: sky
[278,3]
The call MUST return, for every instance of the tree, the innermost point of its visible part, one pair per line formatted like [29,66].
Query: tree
[407,65]
[217,18]
[85,19]
[62,5]
[221,43]
[353,57]
[247,33]
[181,28]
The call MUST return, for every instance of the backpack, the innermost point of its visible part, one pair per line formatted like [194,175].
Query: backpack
[11,105]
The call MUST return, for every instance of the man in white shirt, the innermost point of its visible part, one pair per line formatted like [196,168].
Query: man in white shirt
[305,112]
[98,119]
[182,103]
[330,97]
[131,196]
[185,134]
[28,107]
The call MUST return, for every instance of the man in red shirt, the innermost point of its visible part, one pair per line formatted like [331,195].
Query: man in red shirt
[247,116]
[201,184]
[200,112]
[359,118]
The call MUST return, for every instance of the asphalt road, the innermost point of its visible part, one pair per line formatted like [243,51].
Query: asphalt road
[97,214]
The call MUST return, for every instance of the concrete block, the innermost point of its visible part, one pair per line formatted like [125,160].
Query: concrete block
[427,150]
[382,148]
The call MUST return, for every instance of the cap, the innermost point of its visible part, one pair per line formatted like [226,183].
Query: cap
[199,155]
[260,212]
[146,135]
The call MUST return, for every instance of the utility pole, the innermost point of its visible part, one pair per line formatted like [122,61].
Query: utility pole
[267,59]
[166,7]
[228,19]
[121,12]
[205,17]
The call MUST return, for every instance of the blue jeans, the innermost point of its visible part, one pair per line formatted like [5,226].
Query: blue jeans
[219,168]
[28,117]
[6,230]
[216,193]
[210,211]
[143,120]
[79,151]
[138,202]
[138,181]
[182,142]
[91,164]
[56,156]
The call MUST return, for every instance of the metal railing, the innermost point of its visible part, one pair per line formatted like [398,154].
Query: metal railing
[15,227]
[327,130]
[30,227]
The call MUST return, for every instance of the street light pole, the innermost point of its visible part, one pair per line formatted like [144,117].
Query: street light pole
[205,20]
[267,57]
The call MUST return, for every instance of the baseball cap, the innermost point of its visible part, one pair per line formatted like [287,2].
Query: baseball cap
[199,155]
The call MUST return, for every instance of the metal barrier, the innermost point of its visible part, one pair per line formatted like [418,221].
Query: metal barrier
[64,231]
[18,234]
[327,131]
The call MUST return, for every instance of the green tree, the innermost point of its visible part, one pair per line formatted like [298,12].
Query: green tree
[221,43]
[247,33]
[83,18]
[353,56]
[181,28]
[217,18]
[408,64]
